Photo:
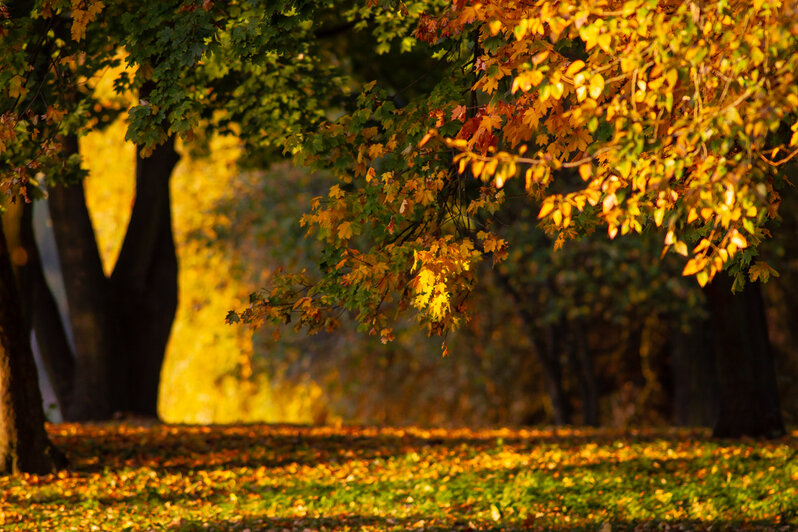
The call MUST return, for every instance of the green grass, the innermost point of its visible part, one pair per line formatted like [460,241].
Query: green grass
[276,478]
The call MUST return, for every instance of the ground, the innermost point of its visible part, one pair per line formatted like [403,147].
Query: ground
[134,476]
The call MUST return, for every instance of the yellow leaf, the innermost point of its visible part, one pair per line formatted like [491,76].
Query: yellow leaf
[610,201]
[540,57]
[596,86]
[739,240]
[345,230]
[495,514]
[585,171]
[672,76]
[17,87]
[557,90]
[575,67]
[476,167]
[694,265]
[680,248]
[495,26]
[545,209]
[659,214]
[604,41]
[704,244]
[336,192]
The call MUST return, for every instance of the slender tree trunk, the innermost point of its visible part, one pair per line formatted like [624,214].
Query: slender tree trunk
[749,402]
[40,310]
[24,445]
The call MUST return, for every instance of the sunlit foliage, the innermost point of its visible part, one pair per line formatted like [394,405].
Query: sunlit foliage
[675,116]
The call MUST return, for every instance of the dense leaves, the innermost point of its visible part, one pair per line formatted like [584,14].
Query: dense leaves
[634,116]
[133,477]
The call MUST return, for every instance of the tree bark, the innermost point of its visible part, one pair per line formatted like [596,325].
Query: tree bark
[121,324]
[24,444]
[87,290]
[749,402]
[695,376]
[583,365]
[549,357]
[39,307]
[144,282]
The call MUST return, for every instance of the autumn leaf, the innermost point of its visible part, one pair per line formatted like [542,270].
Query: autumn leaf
[345,231]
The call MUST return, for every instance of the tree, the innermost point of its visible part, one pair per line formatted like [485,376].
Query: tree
[193,72]
[24,444]
[676,116]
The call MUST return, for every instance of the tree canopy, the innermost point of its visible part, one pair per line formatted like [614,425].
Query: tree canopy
[630,116]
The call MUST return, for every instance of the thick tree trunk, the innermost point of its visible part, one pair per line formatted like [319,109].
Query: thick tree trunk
[144,282]
[121,325]
[24,445]
[88,297]
[583,365]
[552,374]
[749,402]
[695,376]
[40,310]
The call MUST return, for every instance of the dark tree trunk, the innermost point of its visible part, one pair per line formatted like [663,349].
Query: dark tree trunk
[24,445]
[749,402]
[583,365]
[87,290]
[549,358]
[39,307]
[144,283]
[695,376]
[547,353]
[121,324]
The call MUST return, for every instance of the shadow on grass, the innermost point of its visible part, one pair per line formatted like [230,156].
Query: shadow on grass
[184,448]
[418,522]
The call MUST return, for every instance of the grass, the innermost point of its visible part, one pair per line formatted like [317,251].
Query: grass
[127,477]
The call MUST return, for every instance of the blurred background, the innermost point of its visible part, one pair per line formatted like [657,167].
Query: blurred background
[592,333]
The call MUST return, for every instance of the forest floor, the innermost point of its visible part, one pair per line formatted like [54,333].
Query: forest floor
[256,477]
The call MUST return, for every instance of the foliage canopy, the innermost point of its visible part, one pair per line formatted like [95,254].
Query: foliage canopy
[633,116]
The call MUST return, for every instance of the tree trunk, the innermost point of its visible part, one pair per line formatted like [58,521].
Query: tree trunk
[583,365]
[695,376]
[749,402]
[144,283]
[121,324]
[24,445]
[87,290]
[39,307]
[547,354]
[552,374]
